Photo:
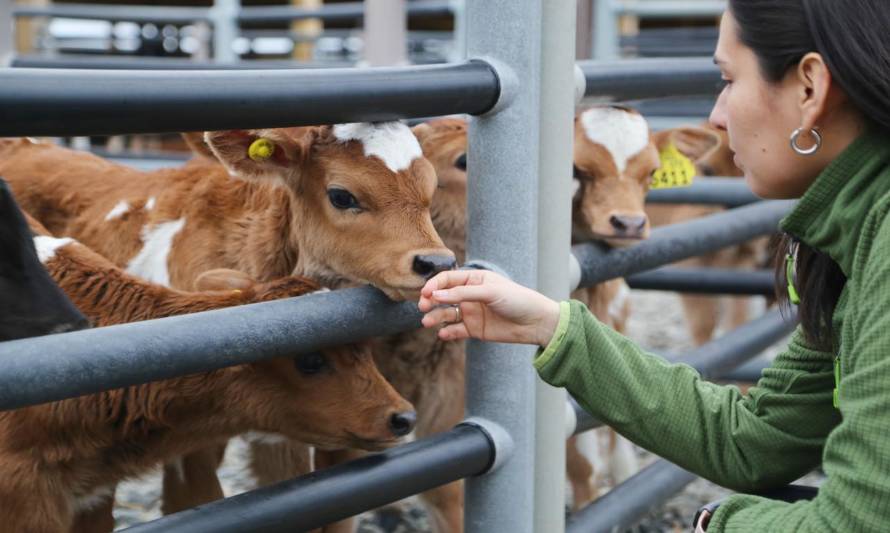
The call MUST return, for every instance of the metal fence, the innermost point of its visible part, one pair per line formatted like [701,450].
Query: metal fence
[510,449]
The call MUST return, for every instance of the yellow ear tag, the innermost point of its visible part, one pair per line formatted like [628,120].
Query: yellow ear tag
[676,170]
[261,149]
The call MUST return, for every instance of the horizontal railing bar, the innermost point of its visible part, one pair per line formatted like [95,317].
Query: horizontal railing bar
[750,372]
[85,61]
[729,192]
[341,12]
[622,506]
[718,357]
[160,14]
[669,244]
[332,494]
[637,79]
[671,8]
[48,102]
[705,281]
[66,365]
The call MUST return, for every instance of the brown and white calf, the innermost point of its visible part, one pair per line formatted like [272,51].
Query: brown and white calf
[341,204]
[615,155]
[703,313]
[60,461]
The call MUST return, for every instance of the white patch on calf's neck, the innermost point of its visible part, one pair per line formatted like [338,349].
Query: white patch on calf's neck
[46,246]
[393,142]
[119,209]
[616,306]
[622,133]
[93,498]
[151,261]
[264,437]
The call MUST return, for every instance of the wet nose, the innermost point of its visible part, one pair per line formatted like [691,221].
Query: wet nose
[628,225]
[428,266]
[402,423]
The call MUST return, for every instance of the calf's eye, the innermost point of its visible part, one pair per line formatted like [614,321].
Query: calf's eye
[311,363]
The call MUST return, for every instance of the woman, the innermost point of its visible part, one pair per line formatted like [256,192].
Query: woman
[819,71]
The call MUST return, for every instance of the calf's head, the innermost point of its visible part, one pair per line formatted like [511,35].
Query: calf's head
[361,194]
[615,156]
[332,398]
[31,304]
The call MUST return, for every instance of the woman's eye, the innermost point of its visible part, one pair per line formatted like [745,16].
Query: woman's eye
[723,84]
[577,173]
[342,199]
[461,162]
[311,363]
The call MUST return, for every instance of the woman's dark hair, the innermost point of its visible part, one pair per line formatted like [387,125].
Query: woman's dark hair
[851,37]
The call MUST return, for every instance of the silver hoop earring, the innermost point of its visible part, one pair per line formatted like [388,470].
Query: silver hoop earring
[808,151]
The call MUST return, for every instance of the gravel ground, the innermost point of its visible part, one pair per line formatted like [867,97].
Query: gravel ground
[656,322]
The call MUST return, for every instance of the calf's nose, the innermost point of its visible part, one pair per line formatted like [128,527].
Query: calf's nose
[428,266]
[402,423]
[628,225]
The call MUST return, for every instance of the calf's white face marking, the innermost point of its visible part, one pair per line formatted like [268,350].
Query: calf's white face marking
[150,204]
[47,246]
[622,133]
[393,142]
[119,209]
[151,262]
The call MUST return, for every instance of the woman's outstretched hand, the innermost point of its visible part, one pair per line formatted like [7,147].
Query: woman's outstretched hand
[492,308]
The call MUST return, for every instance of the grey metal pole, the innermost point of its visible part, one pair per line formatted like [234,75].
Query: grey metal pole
[554,231]
[386,41]
[506,157]
[605,35]
[7,36]
[225,29]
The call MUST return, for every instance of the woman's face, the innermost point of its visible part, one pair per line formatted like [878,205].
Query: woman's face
[759,117]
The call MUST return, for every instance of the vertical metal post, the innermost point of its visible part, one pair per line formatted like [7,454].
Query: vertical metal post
[558,97]
[584,35]
[459,47]
[524,140]
[386,35]
[605,36]
[7,37]
[304,51]
[225,29]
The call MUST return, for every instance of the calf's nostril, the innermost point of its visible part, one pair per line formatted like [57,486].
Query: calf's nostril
[617,223]
[428,266]
[628,225]
[402,423]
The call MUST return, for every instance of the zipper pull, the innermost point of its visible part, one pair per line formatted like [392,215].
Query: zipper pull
[791,271]
[837,382]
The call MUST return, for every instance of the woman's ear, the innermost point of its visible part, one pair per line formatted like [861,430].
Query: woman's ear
[815,90]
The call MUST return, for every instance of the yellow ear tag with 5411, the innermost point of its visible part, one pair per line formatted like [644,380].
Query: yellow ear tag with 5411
[676,169]
[261,149]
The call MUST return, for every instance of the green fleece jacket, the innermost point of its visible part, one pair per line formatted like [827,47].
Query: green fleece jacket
[787,424]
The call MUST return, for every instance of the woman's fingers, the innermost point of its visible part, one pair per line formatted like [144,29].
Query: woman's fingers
[454,332]
[448,280]
[483,294]
[439,315]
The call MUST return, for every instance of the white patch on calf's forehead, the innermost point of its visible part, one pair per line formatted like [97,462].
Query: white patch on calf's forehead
[622,133]
[46,246]
[151,261]
[150,204]
[393,142]
[119,209]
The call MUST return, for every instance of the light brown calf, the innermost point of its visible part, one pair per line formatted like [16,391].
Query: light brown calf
[60,462]
[703,313]
[615,155]
[341,204]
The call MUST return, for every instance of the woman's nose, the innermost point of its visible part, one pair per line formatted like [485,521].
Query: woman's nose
[718,114]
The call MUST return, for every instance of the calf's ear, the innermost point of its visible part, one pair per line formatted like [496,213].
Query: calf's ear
[693,142]
[262,154]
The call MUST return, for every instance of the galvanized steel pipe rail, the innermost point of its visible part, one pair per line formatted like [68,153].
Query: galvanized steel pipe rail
[55,367]
[165,14]
[636,79]
[679,241]
[705,281]
[341,12]
[57,103]
[329,495]
[728,192]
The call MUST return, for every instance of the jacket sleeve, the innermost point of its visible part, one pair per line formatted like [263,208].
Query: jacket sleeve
[766,439]
[856,493]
